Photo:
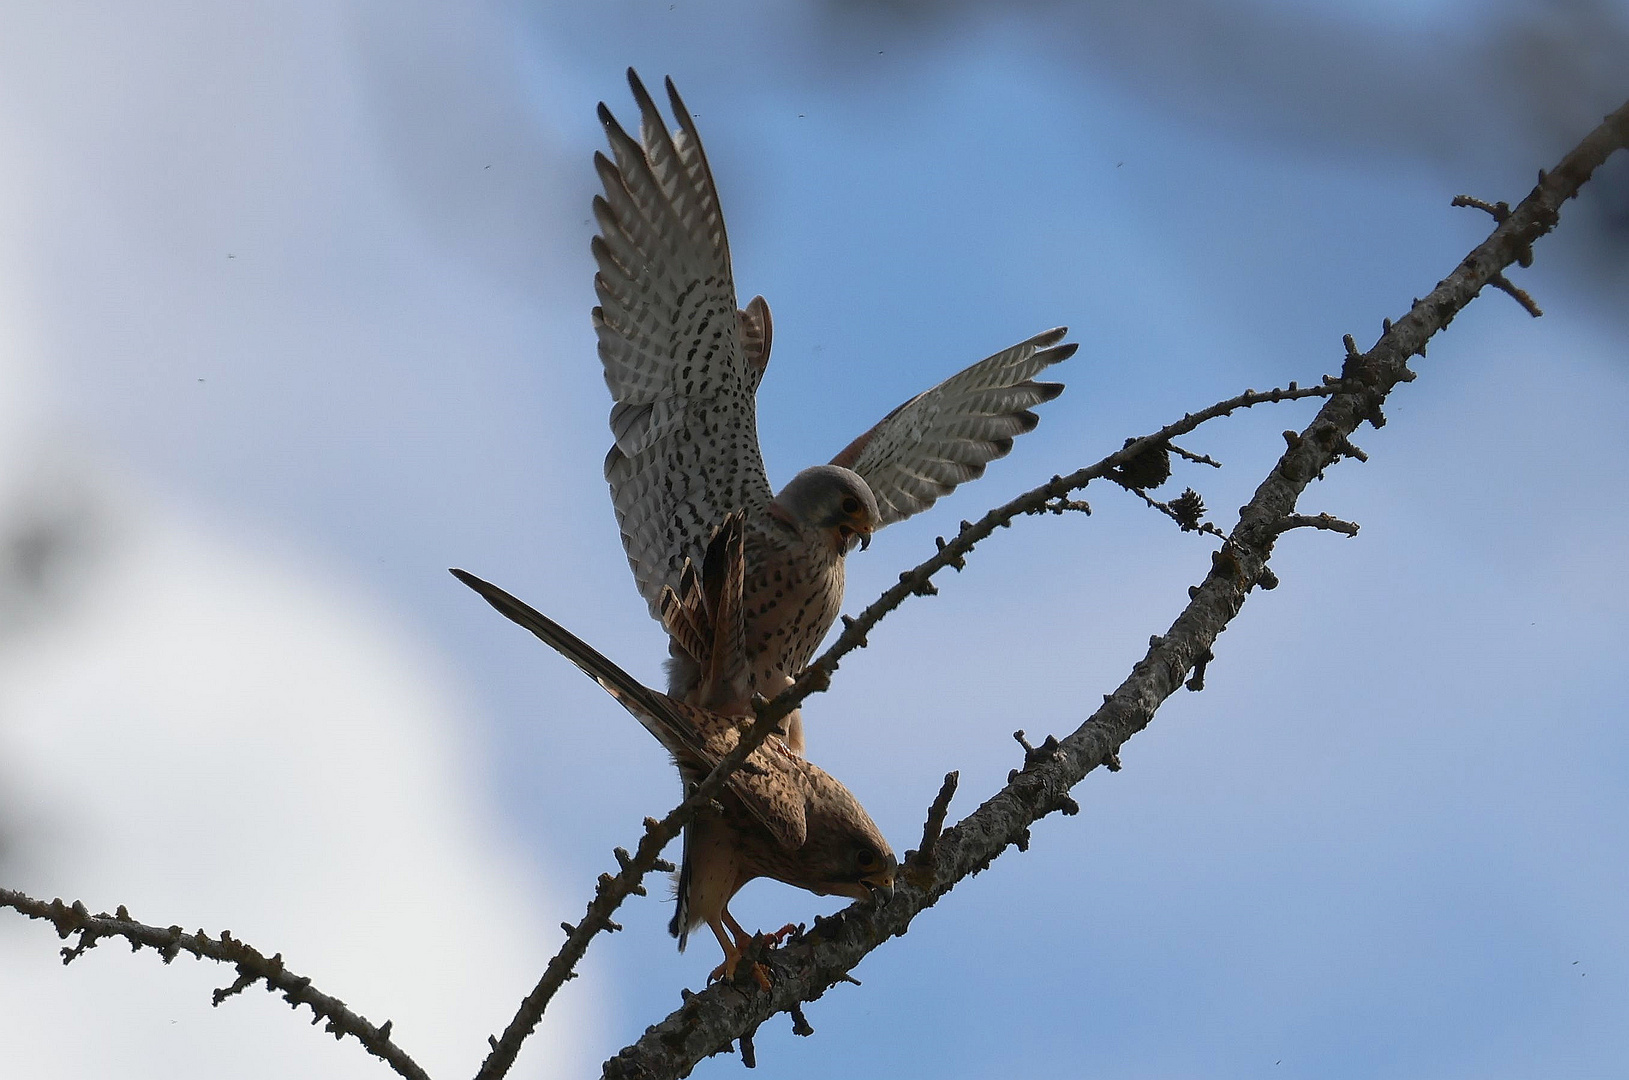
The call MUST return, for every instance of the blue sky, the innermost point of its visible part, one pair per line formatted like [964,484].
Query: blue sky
[294,301]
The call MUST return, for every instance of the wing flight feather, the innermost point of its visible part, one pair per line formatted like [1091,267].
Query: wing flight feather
[947,435]
[681,361]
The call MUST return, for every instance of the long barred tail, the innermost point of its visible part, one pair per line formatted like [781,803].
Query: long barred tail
[633,696]
[650,708]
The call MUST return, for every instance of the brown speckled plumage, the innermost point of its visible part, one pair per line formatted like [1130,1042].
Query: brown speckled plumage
[683,365]
[780,815]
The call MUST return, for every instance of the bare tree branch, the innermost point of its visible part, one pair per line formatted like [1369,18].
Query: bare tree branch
[612,890]
[252,965]
[814,961]
[1498,211]
[1187,510]
[932,829]
[1048,497]
[1517,294]
[1319,521]
[1197,459]
[811,963]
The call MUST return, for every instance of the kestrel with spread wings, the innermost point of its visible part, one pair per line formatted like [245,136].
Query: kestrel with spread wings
[780,816]
[683,365]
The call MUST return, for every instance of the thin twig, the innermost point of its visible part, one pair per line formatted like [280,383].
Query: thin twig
[816,961]
[800,1023]
[252,966]
[953,552]
[1199,459]
[1064,506]
[1499,281]
[922,858]
[1499,210]
[810,965]
[611,890]
[1320,521]
[1045,498]
[1196,680]
[1187,510]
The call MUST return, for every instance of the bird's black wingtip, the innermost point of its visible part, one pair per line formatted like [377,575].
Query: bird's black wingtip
[1048,390]
[680,113]
[472,581]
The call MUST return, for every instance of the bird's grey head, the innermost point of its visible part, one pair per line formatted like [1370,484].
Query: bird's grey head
[834,500]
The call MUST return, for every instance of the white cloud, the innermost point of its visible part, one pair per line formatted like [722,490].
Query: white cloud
[223,264]
[220,741]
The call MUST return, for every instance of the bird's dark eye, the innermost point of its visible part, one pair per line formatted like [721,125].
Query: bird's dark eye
[866,859]
[851,505]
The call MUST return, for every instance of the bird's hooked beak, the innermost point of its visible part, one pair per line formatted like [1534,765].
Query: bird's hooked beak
[881,887]
[848,532]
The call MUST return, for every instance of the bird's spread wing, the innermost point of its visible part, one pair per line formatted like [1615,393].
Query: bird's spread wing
[945,436]
[681,361]
[769,784]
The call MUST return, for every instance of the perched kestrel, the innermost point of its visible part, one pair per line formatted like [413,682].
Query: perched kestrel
[683,365]
[780,815]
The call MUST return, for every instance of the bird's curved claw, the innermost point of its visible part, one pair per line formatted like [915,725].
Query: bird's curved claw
[728,971]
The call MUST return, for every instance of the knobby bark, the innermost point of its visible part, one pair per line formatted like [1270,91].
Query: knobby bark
[814,961]
[807,966]
[252,966]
